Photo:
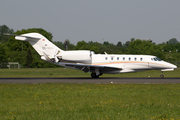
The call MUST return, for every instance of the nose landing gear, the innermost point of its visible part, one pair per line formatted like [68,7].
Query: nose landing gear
[162,76]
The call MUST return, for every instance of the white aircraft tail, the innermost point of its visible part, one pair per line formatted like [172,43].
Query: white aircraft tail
[46,49]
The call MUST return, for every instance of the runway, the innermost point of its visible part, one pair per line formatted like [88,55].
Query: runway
[90,80]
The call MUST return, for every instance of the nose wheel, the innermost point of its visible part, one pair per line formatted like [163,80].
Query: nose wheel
[162,76]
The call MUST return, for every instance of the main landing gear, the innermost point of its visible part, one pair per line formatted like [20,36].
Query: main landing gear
[93,75]
[162,76]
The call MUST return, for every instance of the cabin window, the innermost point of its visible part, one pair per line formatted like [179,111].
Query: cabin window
[106,58]
[152,59]
[141,59]
[111,58]
[129,59]
[135,59]
[117,58]
[123,58]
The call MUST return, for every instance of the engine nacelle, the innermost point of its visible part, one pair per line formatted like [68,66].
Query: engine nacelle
[76,56]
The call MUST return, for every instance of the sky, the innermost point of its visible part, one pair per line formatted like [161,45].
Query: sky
[92,20]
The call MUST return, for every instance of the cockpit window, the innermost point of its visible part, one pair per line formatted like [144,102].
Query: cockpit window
[157,59]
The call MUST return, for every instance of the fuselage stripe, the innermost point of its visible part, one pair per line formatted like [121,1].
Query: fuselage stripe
[126,62]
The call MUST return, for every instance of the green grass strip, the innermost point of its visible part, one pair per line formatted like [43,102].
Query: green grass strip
[62,72]
[89,101]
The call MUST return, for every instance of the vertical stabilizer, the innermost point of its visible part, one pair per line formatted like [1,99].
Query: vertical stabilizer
[41,44]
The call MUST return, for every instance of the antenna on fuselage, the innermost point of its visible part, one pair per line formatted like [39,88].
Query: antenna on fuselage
[105,53]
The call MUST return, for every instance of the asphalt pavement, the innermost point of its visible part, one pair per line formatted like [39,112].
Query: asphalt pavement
[90,80]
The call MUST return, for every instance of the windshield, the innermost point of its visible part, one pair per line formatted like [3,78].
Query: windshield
[157,59]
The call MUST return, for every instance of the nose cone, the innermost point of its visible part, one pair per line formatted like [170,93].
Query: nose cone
[169,67]
[172,66]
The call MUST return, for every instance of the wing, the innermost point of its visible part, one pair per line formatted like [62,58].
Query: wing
[91,68]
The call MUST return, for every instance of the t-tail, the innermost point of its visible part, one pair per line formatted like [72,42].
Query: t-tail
[51,53]
[46,49]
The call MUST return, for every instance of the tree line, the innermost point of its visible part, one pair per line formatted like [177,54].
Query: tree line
[12,50]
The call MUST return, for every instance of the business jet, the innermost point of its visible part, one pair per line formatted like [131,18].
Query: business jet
[88,61]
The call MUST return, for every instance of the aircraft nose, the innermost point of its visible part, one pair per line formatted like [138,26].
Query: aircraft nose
[171,66]
[174,66]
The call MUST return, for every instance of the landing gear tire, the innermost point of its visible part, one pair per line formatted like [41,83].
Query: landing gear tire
[161,76]
[93,75]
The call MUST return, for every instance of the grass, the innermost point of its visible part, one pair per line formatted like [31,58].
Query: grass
[87,101]
[62,72]
[64,101]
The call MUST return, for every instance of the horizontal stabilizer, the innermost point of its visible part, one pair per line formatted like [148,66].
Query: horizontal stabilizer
[22,37]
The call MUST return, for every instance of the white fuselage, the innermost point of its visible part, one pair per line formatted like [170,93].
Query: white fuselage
[122,63]
[131,63]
